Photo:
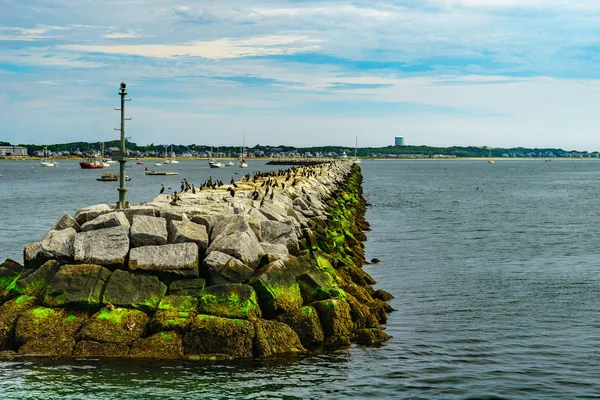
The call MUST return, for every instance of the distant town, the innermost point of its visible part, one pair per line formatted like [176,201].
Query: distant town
[398,150]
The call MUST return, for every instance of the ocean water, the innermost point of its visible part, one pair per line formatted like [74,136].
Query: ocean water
[495,269]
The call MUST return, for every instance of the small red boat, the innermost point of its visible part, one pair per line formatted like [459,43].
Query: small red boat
[91,164]
[139,163]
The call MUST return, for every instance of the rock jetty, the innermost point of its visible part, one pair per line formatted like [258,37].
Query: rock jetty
[267,266]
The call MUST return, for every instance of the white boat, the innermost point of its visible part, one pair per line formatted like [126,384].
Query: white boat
[230,164]
[172,160]
[243,163]
[215,164]
[356,159]
[490,160]
[158,164]
[44,162]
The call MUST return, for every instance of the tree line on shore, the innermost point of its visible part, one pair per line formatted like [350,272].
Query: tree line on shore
[267,150]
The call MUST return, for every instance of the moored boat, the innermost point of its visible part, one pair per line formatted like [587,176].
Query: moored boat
[111,177]
[91,164]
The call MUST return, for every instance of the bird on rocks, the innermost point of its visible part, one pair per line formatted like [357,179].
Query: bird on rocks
[231,192]
[193,189]
[182,186]
[162,189]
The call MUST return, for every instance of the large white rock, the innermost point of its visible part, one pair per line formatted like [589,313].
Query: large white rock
[148,231]
[188,232]
[66,221]
[171,260]
[222,269]
[108,220]
[58,245]
[89,213]
[243,246]
[107,247]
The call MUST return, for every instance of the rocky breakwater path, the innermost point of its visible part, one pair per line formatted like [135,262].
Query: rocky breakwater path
[267,266]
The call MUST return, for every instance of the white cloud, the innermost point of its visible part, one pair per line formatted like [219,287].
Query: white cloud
[216,49]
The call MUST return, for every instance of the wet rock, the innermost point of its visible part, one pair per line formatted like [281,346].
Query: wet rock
[107,247]
[275,338]
[334,315]
[61,346]
[66,221]
[9,313]
[375,260]
[221,336]
[47,323]
[77,286]
[162,345]
[58,245]
[120,326]
[89,348]
[142,292]
[223,268]
[305,322]
[371,336]
[230,301]
[383,295]
[170,260]
[148,231]
[187,287]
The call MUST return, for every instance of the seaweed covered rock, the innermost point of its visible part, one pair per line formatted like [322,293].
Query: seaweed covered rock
[9,313]
[276,288]
[210,335]
[305,322]
[119,326]
[89,348]
[35,283]
[174,313]
[230,301]
[162,345]
[275,338]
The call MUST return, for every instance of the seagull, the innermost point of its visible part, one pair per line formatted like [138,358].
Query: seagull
[184,217]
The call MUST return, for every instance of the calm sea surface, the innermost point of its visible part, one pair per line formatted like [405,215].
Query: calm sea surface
[495,269]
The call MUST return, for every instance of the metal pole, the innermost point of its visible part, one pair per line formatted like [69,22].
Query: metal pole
[122,189]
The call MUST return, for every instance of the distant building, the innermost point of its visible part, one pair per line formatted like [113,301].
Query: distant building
[399,141]
[12,151]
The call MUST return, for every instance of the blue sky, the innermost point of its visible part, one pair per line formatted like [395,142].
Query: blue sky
[499,73]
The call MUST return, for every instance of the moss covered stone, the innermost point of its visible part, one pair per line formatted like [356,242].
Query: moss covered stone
[334,315]
[371,336]
[88,348]
[210,335]
[53,346]
[9,313]
[42,322]
[77,286]
[162,345]
[305,322]
[120,326]
[187,287]
[142,292]
[174,313]
[35,283]
[276,288]
[230,301]
[275,338]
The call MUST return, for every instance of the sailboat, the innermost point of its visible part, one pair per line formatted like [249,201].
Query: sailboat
[173,160]
[44,162]
[490,160]
[356,159]
[243,163]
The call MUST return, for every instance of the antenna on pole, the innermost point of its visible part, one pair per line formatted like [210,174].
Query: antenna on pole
[121,155]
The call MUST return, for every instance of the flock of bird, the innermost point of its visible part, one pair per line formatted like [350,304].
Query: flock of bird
[263,183]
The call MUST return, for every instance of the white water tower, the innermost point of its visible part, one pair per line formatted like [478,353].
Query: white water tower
[399,141]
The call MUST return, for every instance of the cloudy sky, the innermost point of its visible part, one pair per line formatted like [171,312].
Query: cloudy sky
[499,73]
